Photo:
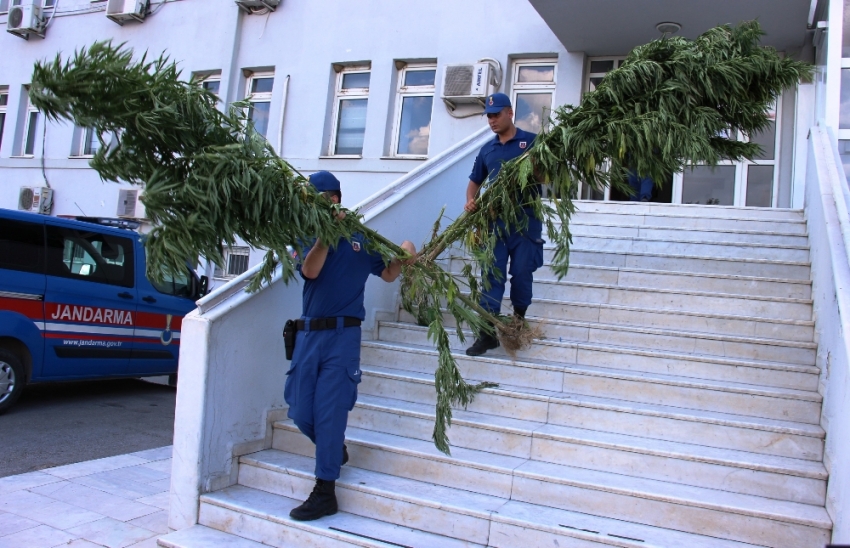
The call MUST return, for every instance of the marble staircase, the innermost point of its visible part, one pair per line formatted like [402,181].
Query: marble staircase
[673,402]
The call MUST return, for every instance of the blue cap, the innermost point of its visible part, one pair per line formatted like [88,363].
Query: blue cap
[496,102]
[324,181]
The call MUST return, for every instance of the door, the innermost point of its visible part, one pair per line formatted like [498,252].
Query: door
[90,302]
[161,308]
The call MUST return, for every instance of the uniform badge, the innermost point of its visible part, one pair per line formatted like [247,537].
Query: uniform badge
[355,246]
[522,144]
[491,100]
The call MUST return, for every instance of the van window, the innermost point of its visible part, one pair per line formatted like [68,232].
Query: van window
[22,246]
[179,285]
[92,256]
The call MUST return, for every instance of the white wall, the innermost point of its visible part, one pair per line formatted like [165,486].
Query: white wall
[829,232]
[302,39]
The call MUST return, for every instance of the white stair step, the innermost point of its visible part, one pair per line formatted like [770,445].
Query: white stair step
[797,227]
[673,340]
[744,518]
[745,326]
[690,211]
[689,263]
[459,514]
[736,250]
[692,300]
[712,429]
[535,370]
[661,279]
[735,471]
[199,536]
[264,517]
[660,232]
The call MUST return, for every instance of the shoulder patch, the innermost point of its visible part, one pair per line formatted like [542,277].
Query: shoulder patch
[523,144]
[355,246]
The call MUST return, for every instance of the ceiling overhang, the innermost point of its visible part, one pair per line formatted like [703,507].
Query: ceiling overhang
[614,27]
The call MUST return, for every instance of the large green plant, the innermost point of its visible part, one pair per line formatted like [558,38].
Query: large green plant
[209,179]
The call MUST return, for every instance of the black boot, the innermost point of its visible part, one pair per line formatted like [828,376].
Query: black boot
[344,454]
[320,503]
[520,312]
[482,344]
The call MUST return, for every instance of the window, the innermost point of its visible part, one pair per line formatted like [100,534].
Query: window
[533,88]
[4,102]
[259,94]
[413,110]
[30,129]
[597,68]
[179,285]
[235,262]
[21,246]
[91,256]
[210,81]
[350,101]
[88,142]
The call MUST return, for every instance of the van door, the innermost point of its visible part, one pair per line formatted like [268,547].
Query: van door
[162,306]
[22,285]
[90,302]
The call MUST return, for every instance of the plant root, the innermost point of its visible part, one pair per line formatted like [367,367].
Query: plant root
[517,334]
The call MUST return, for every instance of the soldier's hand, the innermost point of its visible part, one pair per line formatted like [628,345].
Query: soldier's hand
[470,206]
[408,246]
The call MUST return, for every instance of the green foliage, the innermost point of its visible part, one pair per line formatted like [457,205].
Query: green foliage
[209,179]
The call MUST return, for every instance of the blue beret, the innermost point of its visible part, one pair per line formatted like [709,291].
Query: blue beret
[324,181]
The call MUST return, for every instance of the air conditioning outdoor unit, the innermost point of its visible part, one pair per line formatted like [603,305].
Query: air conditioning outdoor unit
[35,200]
[122,11]
[127,202]
[251,6]
[467,83]
[24,20]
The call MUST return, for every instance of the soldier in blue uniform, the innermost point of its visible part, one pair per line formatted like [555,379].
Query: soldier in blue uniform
[321,385]
[523,247]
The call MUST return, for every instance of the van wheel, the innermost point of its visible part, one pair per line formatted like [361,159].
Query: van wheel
[12,379]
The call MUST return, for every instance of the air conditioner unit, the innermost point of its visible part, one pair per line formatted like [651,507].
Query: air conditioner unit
[251,6]
[24,20]
[122,11]
[127,200]
[35,200]
[467,83]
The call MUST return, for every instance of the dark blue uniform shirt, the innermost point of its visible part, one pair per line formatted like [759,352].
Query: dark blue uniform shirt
[338,289]
[489,161]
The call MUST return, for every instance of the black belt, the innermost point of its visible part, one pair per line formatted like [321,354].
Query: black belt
[319,324]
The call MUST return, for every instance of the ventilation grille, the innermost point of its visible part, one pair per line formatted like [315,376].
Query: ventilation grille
[27,199]
[16,17]
[458,81]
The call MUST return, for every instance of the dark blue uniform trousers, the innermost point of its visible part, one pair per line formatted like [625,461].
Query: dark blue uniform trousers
[321,388]
[525,250]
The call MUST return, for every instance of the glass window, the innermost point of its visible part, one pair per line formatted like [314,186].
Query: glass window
[844,112]
[179,285]
[419,77]
[350,103]
[21,246]
[709,186]
[533,89]
[31,129]
[597,69]
[760,186]
[89,142]
[260,96]
[211,85]
[4,102]
[415,101]
[92,256]
[235,262]
[351,128]
[845,41]
[767,140]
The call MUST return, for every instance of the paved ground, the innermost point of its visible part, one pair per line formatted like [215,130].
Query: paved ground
[116,502]
[58,424]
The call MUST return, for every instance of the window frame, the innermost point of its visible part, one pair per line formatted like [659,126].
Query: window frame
[341,94]
[520,88]
[222,273]
[82,139]
[262,97]
[402,92]
[55,255]
[25,133]
[4,109]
